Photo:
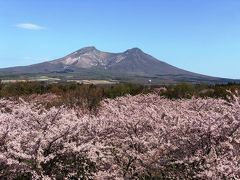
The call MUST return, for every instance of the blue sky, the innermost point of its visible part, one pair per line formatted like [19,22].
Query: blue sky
[202,36]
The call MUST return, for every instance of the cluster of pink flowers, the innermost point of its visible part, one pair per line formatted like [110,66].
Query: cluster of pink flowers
[132,137]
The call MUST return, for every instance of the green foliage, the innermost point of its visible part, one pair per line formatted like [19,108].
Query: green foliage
[71,94]
[123,89]
[199,90]
[89,96]
[22,88]
[180,91]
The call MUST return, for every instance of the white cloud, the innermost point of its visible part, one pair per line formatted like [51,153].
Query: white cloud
[30,26]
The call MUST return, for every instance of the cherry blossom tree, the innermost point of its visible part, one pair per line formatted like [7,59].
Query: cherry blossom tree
[132,137]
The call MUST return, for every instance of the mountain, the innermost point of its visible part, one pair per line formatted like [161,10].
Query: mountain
[132,65]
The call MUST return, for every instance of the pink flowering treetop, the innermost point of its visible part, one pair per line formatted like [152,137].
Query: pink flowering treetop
[132,137]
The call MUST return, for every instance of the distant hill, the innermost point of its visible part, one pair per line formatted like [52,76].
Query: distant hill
[132,65]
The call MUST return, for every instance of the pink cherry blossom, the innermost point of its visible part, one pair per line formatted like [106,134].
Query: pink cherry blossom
[130,138]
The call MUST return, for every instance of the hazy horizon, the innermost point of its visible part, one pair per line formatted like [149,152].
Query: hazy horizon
[201,37]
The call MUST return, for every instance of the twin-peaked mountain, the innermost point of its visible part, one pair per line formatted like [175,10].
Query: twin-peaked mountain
[132,65]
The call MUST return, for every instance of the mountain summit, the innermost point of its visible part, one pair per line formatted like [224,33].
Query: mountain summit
[132,65]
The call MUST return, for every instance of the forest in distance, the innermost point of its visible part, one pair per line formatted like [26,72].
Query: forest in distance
[71,93]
